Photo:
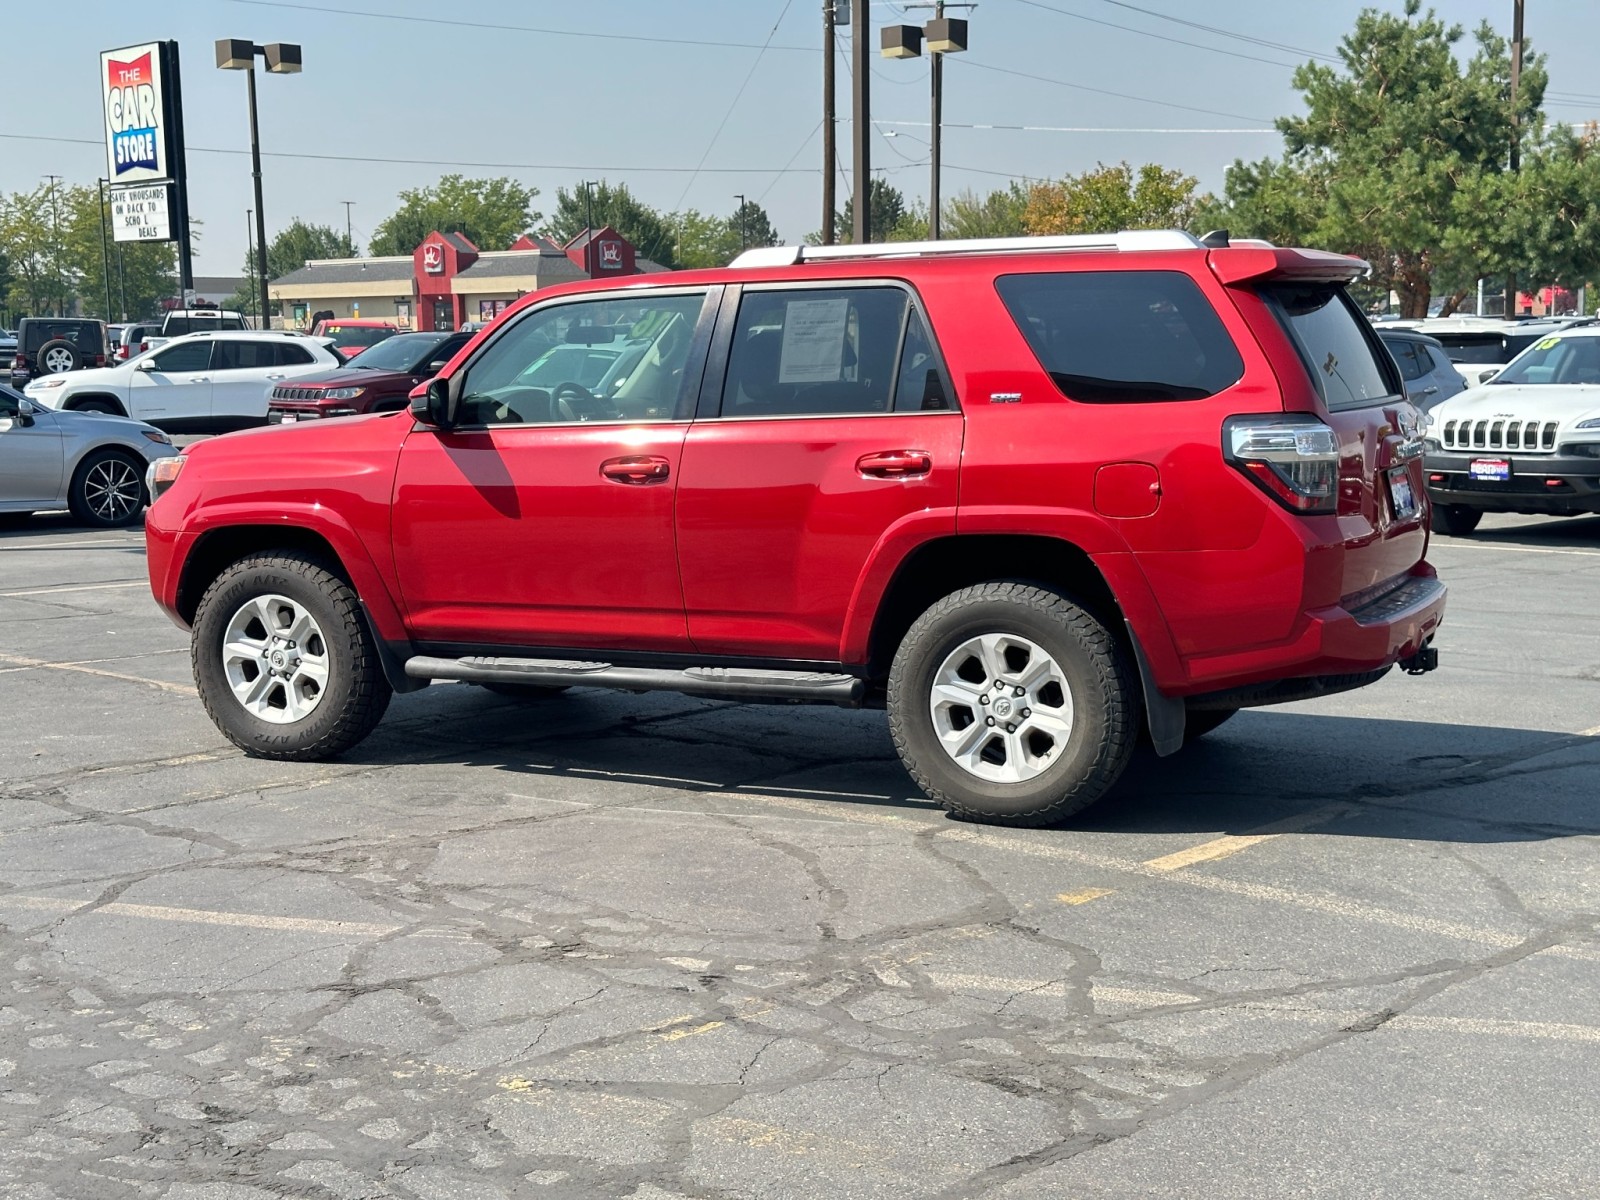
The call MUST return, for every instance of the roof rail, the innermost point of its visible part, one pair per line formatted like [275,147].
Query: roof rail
[1123,242]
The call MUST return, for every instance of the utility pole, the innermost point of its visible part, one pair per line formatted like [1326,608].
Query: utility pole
[55,249]
[588,220]
[350,242]
[830,153]
[739,196]
[105,246]
[1509,308]
[861,129]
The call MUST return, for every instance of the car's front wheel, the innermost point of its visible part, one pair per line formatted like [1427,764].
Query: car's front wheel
[107,490]
[1455,519]
[1008,703]
[284,662]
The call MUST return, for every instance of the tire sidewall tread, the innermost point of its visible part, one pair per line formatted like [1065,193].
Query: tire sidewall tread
[1106,703]
[358,692]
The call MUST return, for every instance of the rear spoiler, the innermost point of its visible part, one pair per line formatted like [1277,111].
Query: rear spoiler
[1244,262]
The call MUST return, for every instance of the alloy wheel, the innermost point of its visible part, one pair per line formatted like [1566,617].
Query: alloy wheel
[275,659]
[58,360]
[1001,708]
[111,490]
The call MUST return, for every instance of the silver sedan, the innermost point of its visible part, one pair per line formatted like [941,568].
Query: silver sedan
[92,463]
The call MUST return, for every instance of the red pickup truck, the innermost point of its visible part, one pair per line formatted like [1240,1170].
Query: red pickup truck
[1037,497]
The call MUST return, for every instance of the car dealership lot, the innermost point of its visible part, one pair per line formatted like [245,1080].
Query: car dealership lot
[653,946]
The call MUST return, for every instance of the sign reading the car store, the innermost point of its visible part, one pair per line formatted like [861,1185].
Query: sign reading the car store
[136,85]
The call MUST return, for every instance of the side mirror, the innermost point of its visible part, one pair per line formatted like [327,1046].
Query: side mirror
[145,364]
[437,365]
[1488,375]
[430,403]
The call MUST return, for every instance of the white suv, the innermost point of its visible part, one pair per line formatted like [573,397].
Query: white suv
[1528,441]
[203,382]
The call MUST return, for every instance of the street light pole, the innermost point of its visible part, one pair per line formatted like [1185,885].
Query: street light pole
[250,256]
[830,156]
[105,247]
[588,220]
[942,37]
[282,58]
[739,196]
[55,247]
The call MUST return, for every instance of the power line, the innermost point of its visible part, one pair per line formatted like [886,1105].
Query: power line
[1068,128]
[436,162]
[1158,36]
[456,23]
[1227,33]
[737,96]
[801,149]
[967,64]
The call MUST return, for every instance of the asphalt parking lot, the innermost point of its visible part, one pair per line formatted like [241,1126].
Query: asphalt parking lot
[648,946]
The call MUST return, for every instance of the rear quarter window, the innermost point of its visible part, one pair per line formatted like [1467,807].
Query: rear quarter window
[1123,337]
[1341,353]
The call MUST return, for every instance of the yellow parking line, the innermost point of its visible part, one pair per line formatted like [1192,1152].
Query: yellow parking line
[76,587]
[202,916]
[1222,847]
[16,660]
[1084,896]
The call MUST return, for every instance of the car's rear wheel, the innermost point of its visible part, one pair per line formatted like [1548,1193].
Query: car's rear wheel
[284,661]
[1455,519]
[108,490]
[1010,704]
[58,357]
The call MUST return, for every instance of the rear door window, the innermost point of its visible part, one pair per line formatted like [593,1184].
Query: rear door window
[1123,337]
[1405,353]
[1339,347]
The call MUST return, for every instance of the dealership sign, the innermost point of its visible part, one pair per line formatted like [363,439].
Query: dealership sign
[142,214]
[133,89]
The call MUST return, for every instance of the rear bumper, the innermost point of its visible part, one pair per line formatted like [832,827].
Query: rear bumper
[1539,483]
[1366,638]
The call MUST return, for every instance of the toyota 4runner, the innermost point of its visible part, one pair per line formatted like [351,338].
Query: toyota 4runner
[1038,497]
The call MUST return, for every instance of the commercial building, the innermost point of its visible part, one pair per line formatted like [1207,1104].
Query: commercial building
[447,280]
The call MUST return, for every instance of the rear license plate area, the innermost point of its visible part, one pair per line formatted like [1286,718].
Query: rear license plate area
[1402,495]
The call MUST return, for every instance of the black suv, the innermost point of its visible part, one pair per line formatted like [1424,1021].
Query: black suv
[52,345]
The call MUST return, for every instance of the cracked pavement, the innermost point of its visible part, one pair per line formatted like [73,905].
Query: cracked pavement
[650,946]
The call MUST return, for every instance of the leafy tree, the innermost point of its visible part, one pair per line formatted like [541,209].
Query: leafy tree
[613,204]
[999,214]
[702,241]
[28,236]
[1111,198]
[142,274]
[289,250]
[491,213]
[885,207]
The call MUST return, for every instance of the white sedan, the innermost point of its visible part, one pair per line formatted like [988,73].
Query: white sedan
[202,382]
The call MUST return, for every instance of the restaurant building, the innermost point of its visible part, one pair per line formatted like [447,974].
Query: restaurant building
[447,280]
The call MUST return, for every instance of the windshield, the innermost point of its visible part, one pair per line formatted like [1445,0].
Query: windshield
[349,336]
[1555,360]
[409,352]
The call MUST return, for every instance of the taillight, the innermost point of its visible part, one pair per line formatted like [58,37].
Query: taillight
[99,360]
[1294,459]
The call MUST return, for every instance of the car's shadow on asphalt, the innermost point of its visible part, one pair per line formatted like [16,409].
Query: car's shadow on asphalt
[16,527]
[1352,776]
[1574,533]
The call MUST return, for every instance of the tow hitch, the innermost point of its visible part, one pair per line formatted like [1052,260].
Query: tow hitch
[1423,661]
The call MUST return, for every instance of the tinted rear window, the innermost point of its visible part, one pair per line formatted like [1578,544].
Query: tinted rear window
[1338,344]
[85,335]
[1123,337]
[178,326]
[1475,347]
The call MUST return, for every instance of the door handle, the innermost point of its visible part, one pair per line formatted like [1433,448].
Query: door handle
[1429,391]
[277,377]
[636,468]
[895,464]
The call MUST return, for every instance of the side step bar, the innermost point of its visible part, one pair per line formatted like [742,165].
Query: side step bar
[719,683]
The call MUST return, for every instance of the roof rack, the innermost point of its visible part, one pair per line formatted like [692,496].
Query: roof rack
[1124,242]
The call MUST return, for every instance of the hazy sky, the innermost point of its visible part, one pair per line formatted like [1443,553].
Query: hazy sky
[455,87]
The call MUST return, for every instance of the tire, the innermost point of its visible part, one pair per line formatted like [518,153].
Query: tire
[1198,724]
[107,490]
[1455,519]
[58,357]
[1057,762]
[524,691]
[256,711]
[98,406]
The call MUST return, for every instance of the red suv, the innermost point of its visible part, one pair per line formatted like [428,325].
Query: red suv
[1037,497]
